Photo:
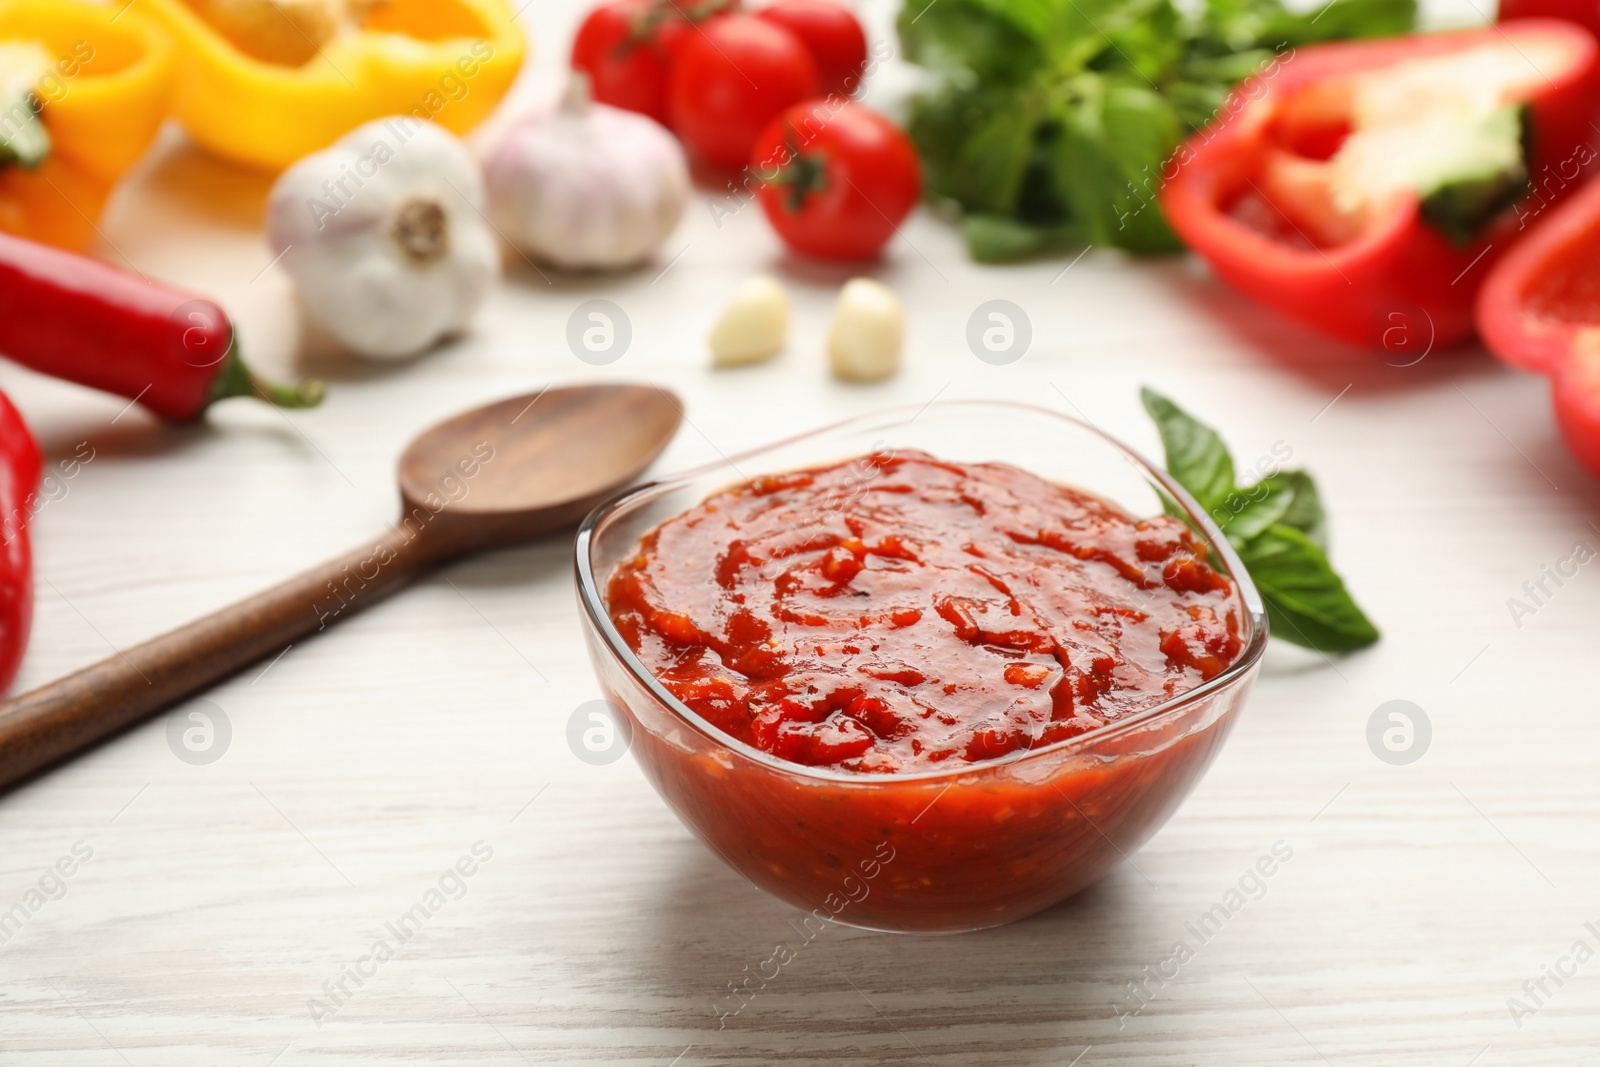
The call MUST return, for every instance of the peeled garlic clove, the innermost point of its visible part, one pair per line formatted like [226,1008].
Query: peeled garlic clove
[867,332]
[753,326]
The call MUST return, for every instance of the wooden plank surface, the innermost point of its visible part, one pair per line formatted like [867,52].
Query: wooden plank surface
[220,903]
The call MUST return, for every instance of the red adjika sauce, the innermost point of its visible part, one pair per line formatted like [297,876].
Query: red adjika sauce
[899,613]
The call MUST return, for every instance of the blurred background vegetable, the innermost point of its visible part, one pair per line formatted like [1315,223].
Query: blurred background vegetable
[1354,187]
[627,48]
[586,186]
[1052,118]
[713,73]
[836,41]
[284,31]
[385,237]
[19,477]
[1585,13]
[1539,310]
[261,101]
[729,78]
[83,91]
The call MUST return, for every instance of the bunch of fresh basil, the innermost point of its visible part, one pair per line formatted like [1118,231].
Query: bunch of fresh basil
[1052,118]
[1277,526]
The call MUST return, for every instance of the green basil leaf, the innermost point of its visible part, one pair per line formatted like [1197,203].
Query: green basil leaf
[1001,41]
[1142,131]
[1307,603]
[1305,510]
[1196,456]
[1002,239]
[1341,19]
[1228,26]
[950,126]
[1245,514]
[1081,170]
[1086,33]
[1196,101]
[1145,39]
[1105,162]
[1039,20]
[995,160]
[1224,70]
[1288,498]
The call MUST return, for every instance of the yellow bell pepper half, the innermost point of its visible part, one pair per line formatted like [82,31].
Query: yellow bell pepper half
[446,60]
[98,86]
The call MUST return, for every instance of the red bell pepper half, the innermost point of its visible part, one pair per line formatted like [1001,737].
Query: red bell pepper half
[19,476]
[1585,13]
[1347,180]
[82,319]
[1540,310]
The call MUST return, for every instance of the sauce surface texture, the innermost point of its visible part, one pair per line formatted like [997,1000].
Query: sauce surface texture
[901,613]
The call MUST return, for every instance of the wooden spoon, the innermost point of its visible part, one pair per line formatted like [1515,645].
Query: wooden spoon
[493,476]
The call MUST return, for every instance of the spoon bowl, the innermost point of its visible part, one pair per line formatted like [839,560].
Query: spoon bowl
[520,468]
[497,475]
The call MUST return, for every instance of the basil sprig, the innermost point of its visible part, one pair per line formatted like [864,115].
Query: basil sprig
[1277,526]
[1053,123]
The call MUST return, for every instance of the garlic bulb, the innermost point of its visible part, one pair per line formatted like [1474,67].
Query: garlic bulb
[384,237]
[586,187]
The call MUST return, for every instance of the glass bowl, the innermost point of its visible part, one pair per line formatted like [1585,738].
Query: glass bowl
[957,848]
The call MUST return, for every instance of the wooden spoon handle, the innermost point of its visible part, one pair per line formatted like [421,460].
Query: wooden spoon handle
[56,720]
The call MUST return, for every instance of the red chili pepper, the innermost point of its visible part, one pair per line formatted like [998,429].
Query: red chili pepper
[84,320]
[1255,194]
[19,475]
[1540,310]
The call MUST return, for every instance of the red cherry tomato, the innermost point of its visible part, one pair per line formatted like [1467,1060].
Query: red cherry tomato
[730,79]
[617,47]
[670,35]
[832,35]
[837,178]
[627,47]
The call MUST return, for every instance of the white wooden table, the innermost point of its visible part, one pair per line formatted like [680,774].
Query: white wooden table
[220,901]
